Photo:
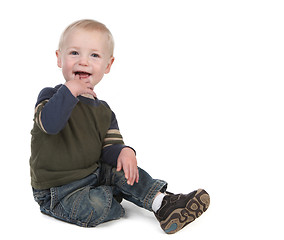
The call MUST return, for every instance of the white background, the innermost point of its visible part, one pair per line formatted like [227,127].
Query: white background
[197,87]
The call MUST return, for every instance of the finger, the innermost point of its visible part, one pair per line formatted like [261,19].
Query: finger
[76,77]
[118,168]
[130,179]
[137,176]
[85,80]
[89,85]
[91,92]
[133,174]
[126,172]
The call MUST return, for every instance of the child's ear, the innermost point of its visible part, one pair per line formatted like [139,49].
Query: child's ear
[109,65]
[58,55]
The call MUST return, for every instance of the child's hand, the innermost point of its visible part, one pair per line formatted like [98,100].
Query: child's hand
[79,86]
[128,162]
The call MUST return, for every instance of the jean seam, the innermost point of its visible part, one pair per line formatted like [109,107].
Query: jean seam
[106,211]
[89,218]
[53,197]
[75,206]
[152,193]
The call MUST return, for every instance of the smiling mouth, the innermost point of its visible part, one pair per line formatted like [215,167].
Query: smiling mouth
[82,74]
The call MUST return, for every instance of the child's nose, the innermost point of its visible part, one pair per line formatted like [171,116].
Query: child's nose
[83,61]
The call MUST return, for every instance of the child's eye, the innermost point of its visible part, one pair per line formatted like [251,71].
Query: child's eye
[74,53]
[95,55]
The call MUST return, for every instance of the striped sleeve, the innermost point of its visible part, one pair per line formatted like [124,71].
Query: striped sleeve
[113,144]
[38,111]
[113,136]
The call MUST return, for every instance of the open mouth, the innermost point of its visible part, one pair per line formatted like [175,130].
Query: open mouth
[82,74]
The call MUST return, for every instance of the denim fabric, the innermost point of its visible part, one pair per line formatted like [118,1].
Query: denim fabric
[95,199]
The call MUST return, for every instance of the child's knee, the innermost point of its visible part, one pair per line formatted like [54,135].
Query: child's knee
[95,206]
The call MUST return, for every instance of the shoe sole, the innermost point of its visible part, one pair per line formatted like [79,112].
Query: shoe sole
[181,217]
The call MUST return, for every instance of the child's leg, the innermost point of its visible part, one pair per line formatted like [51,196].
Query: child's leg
[82,202]
[174,211]
[142,193]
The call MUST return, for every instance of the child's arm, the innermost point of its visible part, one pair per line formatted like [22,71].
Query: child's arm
[122,157]
[54,108]
[116,154]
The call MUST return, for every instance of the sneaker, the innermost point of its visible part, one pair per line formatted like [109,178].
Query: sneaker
[178,210]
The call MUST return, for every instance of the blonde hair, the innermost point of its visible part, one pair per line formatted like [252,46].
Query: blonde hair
[91,25]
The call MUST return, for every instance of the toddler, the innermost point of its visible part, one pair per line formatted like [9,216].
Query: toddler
[80,167]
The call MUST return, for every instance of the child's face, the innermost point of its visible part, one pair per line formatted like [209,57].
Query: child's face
[85,53]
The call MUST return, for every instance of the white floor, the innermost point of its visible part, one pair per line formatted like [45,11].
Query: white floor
[234,213]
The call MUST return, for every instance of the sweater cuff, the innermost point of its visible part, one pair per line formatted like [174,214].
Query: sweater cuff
[110,154]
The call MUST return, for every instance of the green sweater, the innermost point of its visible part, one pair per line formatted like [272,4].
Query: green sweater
[70,137]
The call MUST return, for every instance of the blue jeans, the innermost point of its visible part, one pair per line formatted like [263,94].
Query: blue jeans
[96,199]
